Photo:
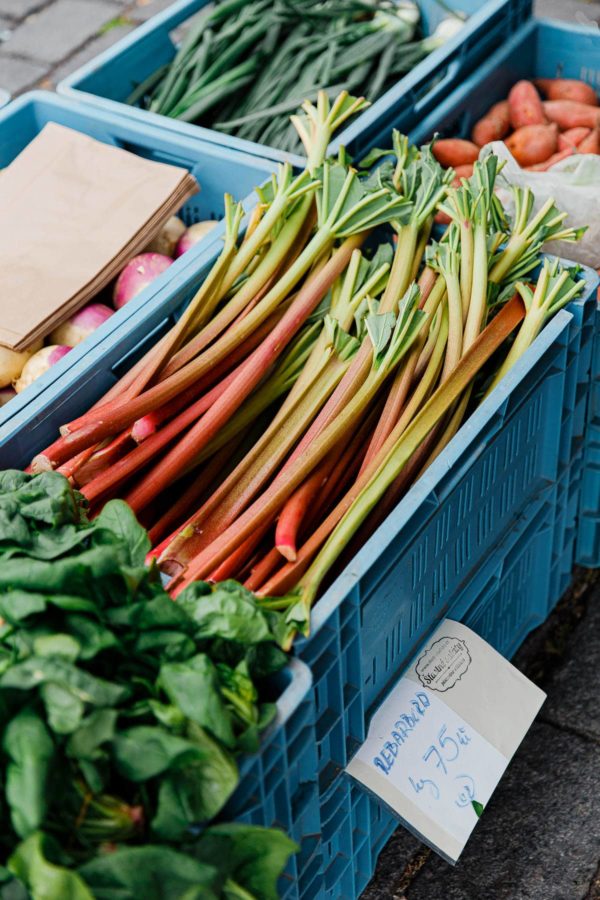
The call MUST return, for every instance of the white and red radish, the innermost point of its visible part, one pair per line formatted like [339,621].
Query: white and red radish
[138,274]
[81,324]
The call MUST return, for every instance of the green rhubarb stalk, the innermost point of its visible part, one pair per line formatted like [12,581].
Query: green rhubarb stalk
[445,257]
[554,289]
[397,457]
[391,340]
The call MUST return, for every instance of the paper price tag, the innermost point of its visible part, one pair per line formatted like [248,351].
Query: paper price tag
[439,744]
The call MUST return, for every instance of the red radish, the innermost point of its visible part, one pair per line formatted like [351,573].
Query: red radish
[39,363]
[81,324]
[13,362]
[166,240]
[137,275]
[6,395]
[573,137]
[455,152]
[525,105]
[567,89]
[533,144]
[494,126]
[569,114]
[193,235]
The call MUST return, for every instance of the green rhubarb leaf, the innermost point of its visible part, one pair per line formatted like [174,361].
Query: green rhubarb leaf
[380,328]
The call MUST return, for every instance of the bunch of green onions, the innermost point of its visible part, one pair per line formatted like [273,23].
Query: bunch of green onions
[318,371]
[246,65]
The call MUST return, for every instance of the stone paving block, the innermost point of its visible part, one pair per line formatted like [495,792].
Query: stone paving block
[397,854]
[145,9]
[18,9]
[573,692]
[60,29]
[18,74]
[91,50]
[539,837]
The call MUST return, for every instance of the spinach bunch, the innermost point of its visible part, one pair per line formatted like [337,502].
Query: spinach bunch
[122,713]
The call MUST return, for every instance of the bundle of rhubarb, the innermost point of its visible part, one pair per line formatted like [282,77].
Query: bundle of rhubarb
[318,370]
[538,132]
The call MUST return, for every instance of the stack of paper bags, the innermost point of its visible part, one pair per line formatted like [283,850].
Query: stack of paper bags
[73,211]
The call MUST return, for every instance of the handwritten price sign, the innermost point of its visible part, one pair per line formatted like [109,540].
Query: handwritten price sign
[425,757]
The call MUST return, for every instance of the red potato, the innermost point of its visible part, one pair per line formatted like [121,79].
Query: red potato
[552,160]
[569,114]
[454,152]
[525,105]
[567,89]
[573,137]
[494,126]
[591,143]
[533,144]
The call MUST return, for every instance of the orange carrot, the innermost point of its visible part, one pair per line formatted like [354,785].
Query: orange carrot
[573,137]
[570,114]
[567,89]
[591,143]
[494,126]
[455,152]
[525,105]
[533,144]
[552,160]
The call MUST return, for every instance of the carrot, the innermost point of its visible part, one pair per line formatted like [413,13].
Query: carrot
[525,105]
[452,152]
[570,114]
[573,137]
[533,144]
[567,89]
[552,160]
[494,126]
[591,143]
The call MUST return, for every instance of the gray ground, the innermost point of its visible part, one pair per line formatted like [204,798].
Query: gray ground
[540,836]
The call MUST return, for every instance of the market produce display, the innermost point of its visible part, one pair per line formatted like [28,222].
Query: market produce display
[246,65]
[123,713]
[542,122]
[317,372]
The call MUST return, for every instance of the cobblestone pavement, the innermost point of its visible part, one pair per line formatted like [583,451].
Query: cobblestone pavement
[540,836]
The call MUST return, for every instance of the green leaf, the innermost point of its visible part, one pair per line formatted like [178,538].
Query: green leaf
[380,327]
[116,516]
[196,789]
[38,670]
[64,710]
[478,807]
[255,857]
[93,637]
[95,730]
[150,873]
[145,751]
[165,645]
[229,611]
[46,880]
[160,612]
[193,686]
[30,748]
[62,645]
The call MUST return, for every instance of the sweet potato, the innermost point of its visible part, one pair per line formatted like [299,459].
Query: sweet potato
[552,160]
[533,144]
[567,89]
[572,138]
[494,126]
[591,143]
[525,105]
[455,152]
[569,114]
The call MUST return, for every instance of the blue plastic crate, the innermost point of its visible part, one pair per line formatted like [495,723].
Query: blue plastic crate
[508,596]
[278,785]
[587,551]
[217,169]
[4,98]
[110,78]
